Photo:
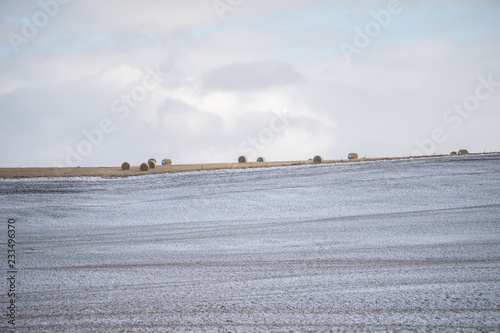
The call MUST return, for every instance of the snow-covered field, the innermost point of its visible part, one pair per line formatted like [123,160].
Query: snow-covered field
[375,246]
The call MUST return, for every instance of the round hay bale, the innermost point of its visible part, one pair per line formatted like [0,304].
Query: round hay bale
[453,153]
[166,161]
[242,159]
[144,167]
[317,159]
[352,156]
[463,152]
[125,166]
[152,163]
[261,159]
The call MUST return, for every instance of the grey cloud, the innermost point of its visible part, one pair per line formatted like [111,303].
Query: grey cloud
[251,76]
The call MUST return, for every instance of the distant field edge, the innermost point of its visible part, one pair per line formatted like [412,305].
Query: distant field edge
[117,172]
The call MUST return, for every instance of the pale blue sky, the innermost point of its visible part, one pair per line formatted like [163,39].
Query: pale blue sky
[226,83]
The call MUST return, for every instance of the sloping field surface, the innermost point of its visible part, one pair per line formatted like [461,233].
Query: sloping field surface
[374,246]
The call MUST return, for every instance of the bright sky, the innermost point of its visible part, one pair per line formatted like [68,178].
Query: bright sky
[97,83]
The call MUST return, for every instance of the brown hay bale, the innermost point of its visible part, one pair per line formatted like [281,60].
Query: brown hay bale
[261,159]
[152,163]
[317,159]
[125,166]
[463,152]
[453,153]
[242,159]
[352,156]
[166,161]
[144,167]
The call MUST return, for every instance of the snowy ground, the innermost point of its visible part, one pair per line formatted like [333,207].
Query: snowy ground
[387,245]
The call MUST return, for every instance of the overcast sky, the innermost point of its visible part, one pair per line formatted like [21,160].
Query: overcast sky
[97,83]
